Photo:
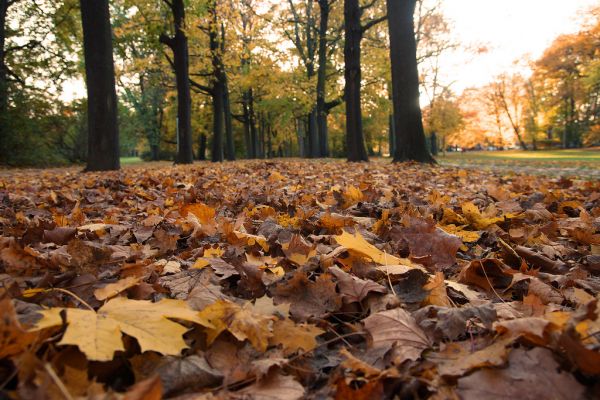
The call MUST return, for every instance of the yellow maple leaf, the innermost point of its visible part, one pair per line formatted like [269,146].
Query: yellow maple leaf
[466,236]
[476,219]
[113,289]
[437,291]
[98,334]
[241,321]
[358,244]
[293,337]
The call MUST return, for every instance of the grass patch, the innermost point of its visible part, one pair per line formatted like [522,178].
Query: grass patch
[131,160]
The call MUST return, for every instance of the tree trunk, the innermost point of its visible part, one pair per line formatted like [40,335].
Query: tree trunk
[218,90]
[103,130]
[313,139]
[247,130]
[229,143]
[410,136]
[3,83]
[179,46]
[322,132]
[353,34]
[202,147]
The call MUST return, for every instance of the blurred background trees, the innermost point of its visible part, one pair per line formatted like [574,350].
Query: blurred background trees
[266,79]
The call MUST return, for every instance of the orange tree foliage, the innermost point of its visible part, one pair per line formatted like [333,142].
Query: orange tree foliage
[288,280]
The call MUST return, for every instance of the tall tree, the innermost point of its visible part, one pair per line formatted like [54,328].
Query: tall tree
[408,121]
[178,43]
[218,86]
[4,4]
[353,33]
[103,139]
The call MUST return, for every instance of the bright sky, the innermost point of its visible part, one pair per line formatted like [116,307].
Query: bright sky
[510,29]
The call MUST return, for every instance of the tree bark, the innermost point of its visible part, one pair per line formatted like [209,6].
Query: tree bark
[410,136]
[353,34]
[229,142]
[218,89]
[103,130]
[202,147]
[179,46]
[322,132]
[3,83]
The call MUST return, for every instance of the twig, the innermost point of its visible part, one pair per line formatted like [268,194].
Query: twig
[488,279]
[72,295]
[58,382]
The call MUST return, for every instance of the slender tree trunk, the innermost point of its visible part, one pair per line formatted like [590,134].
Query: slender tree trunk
[322,132]
[229,143]
[253,128]
[218,90]
[103,130]
[179,46]
[410,136]
[3,83]
[355,143]
[202,147]
[313,139]
[247,130]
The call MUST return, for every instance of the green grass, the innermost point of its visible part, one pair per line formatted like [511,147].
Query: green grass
[520,155]
[578,163]
[131,160]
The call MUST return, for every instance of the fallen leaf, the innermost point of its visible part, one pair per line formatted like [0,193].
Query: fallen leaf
[113,289]
[522,379]
[397,328]
[352,288]
[240,321]
[294,337]
[97,334]
[308,298]
[357,243]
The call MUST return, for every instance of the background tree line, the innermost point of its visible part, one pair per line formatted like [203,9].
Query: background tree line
[225,79]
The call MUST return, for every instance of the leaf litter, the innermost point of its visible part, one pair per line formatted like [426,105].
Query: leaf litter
[298,279]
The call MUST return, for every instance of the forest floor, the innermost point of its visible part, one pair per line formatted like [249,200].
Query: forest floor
[578,163]
[296,279]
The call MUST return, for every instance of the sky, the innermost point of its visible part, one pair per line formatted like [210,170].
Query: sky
[512,30]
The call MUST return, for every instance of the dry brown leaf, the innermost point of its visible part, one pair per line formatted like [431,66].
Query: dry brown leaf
[397,328]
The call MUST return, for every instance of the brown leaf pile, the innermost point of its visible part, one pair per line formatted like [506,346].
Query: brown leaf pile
[289,280]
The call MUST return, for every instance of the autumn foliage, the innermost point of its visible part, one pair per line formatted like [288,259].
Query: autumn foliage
[273,280]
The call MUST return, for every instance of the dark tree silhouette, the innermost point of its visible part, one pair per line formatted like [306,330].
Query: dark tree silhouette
[408,123]
[103,131]
[178,43]
[353,33]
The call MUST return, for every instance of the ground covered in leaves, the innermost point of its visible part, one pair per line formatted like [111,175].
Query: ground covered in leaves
[288,280]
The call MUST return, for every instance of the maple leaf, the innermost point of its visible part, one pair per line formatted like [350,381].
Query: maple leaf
[358,244]
[113,289]
[352,288]
[523,378]
[437,291]
[308,298]
[97,334]
[397,328]
[426,240]
[240,321]
[476,218]
[14,339]
[294,337]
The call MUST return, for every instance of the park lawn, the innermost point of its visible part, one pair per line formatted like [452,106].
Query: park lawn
[584,155]
[131,160]
[573,163]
